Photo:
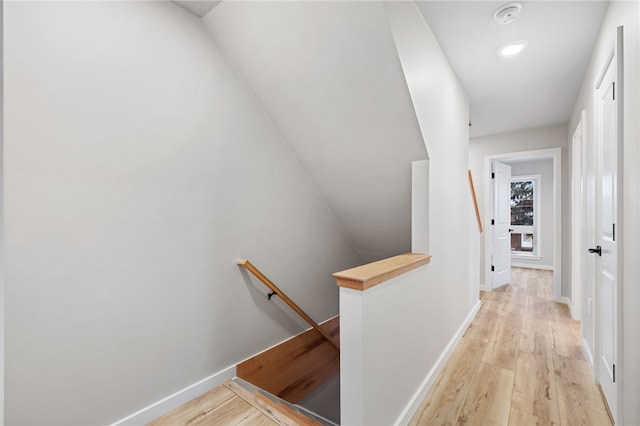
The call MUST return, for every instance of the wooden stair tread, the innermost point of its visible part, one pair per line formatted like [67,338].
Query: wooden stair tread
[285,414]
[277,412]
[295,368]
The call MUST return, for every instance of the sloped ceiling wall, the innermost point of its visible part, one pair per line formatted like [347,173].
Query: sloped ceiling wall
[328,75]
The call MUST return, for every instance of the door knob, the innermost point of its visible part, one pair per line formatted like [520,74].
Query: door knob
[510,230]
[597,250]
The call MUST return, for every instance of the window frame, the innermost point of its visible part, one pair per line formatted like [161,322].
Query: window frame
[534,229]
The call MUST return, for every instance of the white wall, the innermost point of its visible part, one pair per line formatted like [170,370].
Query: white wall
[544,168]
[329,75]
[325,400]
[524,140]
[138,167]
[474,255]
[446,135]
[420,206]
[2,304]
[627,14]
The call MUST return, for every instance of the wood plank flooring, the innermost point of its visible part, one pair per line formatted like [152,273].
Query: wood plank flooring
[218,406]
[233,405]
[519,363]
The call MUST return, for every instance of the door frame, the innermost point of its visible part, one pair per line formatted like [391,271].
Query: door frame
[556,155]
[2,291]
[578,206]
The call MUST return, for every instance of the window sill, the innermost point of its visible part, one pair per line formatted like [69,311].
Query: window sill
[525,256]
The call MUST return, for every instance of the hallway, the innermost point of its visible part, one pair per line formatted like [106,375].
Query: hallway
[519,363]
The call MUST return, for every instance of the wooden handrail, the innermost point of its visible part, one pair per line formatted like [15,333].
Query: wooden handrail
[475,200]
[266,281]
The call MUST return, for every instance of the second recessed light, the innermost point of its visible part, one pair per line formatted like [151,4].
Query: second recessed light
[512,48]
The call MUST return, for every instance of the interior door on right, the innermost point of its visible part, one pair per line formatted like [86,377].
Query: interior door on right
[607,134]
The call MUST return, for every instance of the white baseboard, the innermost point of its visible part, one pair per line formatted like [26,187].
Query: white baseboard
[483,287]
[167,404]
[414,403]
[587,354]
[565,300]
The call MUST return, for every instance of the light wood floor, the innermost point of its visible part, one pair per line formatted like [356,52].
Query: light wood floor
[519,363]
[233,405]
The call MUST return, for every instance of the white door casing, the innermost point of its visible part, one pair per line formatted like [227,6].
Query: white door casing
[588,325]
[556,154]
[578,216]
[501,221]
[607,146]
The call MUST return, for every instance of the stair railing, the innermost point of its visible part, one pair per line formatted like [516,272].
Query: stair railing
[274,288]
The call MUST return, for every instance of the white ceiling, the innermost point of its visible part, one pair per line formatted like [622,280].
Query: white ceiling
[198,7]
[539,86]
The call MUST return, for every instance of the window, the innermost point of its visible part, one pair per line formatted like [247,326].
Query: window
[524,215]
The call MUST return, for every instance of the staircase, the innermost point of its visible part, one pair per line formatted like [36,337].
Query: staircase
[270,385]
[297,367]
[302,370]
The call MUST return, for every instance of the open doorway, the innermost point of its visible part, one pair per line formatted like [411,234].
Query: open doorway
[535,206]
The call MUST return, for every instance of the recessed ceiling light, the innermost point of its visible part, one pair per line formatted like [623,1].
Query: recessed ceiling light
[512,48]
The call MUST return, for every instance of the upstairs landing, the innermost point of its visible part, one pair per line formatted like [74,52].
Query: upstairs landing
[232,404]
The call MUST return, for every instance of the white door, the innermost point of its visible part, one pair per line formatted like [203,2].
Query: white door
[501,256]
[607,136]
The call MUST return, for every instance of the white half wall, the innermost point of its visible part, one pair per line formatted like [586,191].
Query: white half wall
[138,168]
[442,109]
[387,356]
